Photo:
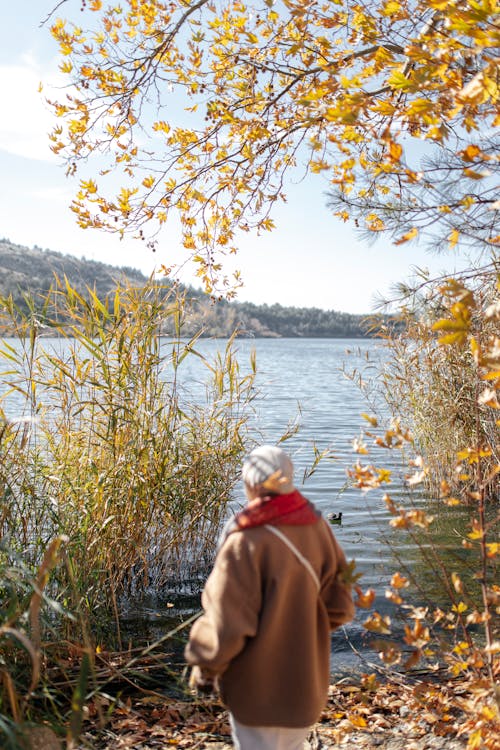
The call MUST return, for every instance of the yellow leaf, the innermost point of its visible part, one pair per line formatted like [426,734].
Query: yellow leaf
[161,125]
[398,80]
[470,153]
[445,324]
[453,238]
[385,108]
[358,721]
[384,475]
[489,713]
[472,455]
[407,237]
[475,740]
[419,106]
[372,420]
[391,7]
[453,338]
[395,151]
[89,186]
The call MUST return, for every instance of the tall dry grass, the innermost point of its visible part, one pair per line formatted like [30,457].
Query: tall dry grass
[433,389]
[111,456]
[116,458]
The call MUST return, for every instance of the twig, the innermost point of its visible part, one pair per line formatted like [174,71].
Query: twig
[51,13]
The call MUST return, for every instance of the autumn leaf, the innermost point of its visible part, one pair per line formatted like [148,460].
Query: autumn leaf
[391,507]
[364,600]
[357,721]
[359,446]
[418,635]
[378,623]
[413,659]
[453,238]
[399,582]
[407,237]
[349,574]
[457,583]
[489,397]
[395,150]
[399,81]
[388,652]
[393,597]
[477,530]
[473,455]
[470,153]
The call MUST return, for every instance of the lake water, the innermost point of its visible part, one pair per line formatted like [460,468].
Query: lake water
[304,380]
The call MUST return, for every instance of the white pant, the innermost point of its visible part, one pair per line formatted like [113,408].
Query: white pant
[267,738]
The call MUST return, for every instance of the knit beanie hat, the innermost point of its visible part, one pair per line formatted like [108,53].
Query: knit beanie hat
[269,467]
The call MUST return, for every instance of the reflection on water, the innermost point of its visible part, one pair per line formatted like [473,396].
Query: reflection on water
[304,380]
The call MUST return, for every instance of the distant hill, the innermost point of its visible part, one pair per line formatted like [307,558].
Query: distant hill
[23,269]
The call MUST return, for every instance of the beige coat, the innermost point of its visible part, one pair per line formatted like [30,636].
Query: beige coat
[266,630]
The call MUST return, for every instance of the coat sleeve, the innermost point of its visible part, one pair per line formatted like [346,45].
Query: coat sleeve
[336,595]
[231,602]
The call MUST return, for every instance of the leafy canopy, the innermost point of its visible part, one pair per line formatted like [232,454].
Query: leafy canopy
[202,107]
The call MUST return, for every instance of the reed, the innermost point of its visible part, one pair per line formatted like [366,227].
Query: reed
[434,389]
[117,458]
[114,456]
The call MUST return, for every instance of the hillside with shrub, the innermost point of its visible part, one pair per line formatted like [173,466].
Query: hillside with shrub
[32,270]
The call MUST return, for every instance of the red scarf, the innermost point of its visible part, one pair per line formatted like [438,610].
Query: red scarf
[292,509]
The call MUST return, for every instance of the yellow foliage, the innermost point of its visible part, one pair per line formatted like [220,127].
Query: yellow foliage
[408,236]
[267,81]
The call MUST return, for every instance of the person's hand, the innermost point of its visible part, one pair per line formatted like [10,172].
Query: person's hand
[201,681]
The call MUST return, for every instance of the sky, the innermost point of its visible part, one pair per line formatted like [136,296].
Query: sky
[311,259]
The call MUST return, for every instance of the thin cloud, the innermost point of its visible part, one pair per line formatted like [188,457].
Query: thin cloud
[26,119]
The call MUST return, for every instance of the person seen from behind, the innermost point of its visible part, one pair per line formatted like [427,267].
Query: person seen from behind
[274,595]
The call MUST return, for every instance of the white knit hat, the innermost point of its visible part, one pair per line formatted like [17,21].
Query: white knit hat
[269,467]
